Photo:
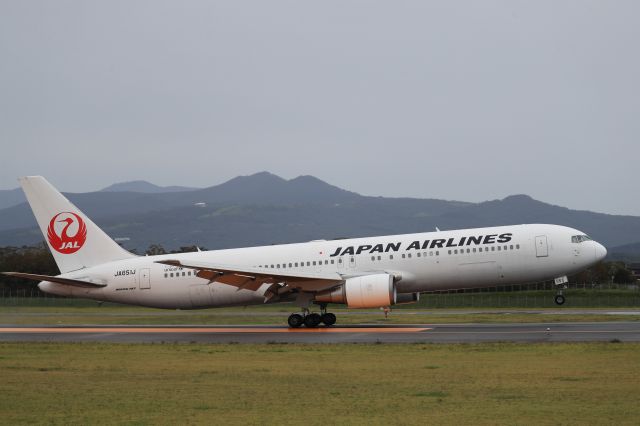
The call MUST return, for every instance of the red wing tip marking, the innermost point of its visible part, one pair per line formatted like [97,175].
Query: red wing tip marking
[177,330]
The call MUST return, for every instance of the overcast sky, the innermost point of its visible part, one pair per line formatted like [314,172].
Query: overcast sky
[467,100]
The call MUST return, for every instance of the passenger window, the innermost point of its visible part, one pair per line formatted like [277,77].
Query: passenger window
[314,263]
[326,262]
[505,248]
[296,264]
[437,253]
[510,247]
[391,257]
[418,254]
[454,252]
[309,263]
[474,249]
[499,248]
[165,275]
[332,261]
[409,255]
[272,266]
[379,257]
[449,251]
[480,249]
[171,275]
[517,246]
[468,250]
[339,260]
[493,249]
[373,258]
[403,256]
[290,265]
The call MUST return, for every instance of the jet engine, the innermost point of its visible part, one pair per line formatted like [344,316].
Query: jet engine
[406,298]
[368,291]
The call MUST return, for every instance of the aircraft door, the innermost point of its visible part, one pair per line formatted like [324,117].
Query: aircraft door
[144,279]
[352,261]
[542,248]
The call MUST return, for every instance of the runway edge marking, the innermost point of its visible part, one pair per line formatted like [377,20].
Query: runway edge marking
[73,330]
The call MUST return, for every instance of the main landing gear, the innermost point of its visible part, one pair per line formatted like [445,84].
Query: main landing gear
[312,319]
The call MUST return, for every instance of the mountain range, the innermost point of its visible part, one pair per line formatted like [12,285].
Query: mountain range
[144,187]
[266,209]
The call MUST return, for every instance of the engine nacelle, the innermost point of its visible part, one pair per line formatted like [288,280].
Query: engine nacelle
[369,291]
[405,298]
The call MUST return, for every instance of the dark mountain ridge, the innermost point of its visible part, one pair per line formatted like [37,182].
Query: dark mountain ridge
[11,197]
[144,187]
[264,209]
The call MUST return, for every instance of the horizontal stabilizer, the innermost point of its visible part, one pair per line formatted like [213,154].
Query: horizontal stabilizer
[59,280]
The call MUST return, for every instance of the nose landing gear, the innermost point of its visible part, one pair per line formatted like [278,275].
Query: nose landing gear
[561,284]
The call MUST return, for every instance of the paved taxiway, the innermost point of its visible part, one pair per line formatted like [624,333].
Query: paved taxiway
[436,333]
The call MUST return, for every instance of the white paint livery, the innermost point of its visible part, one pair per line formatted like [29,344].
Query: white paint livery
[361,272]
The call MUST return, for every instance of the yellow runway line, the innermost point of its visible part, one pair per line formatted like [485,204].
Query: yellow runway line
[178,330]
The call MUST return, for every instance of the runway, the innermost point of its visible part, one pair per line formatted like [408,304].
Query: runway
[434,333]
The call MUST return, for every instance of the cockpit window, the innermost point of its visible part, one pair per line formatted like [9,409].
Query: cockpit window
[580,238]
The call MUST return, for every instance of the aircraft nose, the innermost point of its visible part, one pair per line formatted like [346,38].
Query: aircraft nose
[601,252]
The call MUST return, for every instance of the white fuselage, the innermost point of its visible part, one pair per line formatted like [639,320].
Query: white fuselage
[444,260]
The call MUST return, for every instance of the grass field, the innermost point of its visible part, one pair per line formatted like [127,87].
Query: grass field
[277,315]
[595,383]
[576,298]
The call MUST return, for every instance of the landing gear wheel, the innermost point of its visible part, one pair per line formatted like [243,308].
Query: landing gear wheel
[559,299]
[312,320]
[328,319]
[295,320]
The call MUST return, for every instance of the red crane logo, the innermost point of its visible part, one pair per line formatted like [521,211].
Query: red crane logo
[59,237]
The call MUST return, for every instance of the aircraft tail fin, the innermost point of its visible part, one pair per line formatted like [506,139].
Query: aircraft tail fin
[74,240]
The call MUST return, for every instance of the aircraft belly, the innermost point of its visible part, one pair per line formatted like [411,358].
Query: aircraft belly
[226,295]
[457,275]
[163,294]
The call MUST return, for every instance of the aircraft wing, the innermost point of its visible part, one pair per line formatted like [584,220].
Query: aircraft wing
[254,278]
[59,280]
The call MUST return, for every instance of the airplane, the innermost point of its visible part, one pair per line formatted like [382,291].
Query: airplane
[371,272]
